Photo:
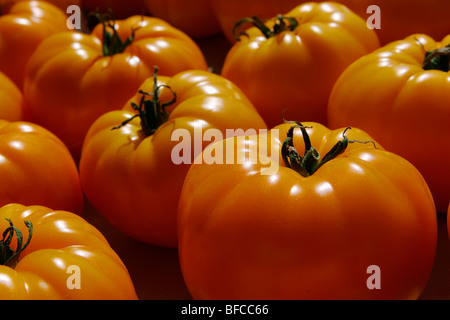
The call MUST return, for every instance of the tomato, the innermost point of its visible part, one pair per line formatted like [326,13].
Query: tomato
[314,228]
[296,69]
[133,175]
[11,100]
[400,18]
[121,9]
[37,169]
[22,28]
[73,78]
[229,12]
[195,17]
[403,104]
[66,258]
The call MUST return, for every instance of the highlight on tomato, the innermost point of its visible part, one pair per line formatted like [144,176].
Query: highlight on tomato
[340,215]
[48,254]
[400,95]
[23,26]
[36,168]
[73,78]
[292,61]
[133,175]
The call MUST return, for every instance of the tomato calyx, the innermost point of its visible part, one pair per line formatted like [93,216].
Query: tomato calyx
[310,162]
[112,43]
[9,257]
[152,112]
[438,59]
[279,26]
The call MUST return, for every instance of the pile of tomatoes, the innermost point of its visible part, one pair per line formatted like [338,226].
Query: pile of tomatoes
[308,163]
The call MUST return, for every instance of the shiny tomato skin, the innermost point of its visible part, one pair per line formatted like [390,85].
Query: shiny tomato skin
[23,26]
[131,178]
[244,234]
[61,239]
[70,83]
[296,70]
[36,168]
[401,105]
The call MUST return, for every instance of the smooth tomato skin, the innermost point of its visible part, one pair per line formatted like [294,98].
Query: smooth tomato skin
[36,168]
[296,70]
[69,83]
[11,106]
[400,18]
[22,28]
[246,235]
[401,105]
[61,239]
[132,179]
[195,17]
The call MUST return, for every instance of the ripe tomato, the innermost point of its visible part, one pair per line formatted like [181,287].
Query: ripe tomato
[23,26]
[314,228]
[402,101]
[73,78]
[37,169]
[133,175]
[400,18]
[11,100]
[296,69]
[195,17]
[65,258]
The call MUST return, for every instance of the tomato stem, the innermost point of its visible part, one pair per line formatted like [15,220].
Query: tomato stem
[112,43]
[9,257]
[438,59]
[152,112]
[279,26]
[310,162]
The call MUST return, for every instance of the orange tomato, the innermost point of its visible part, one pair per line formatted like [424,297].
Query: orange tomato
[73,78]
[11,100]
[37,169]
[295,67]
[196,17]
[403,104]
[66,258]
[316,228]
[22,28]
[133,175]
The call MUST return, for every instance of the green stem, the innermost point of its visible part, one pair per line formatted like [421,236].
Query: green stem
[438,59]
[9,257]
[279,26]
[112,43]
[152,112]
[310,162]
